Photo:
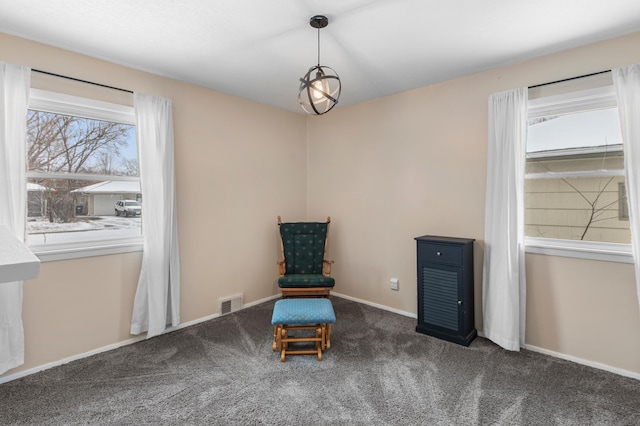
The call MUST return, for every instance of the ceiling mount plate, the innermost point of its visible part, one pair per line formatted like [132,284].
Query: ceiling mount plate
[319,21]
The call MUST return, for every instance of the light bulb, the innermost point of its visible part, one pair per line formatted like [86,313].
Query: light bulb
[317,89]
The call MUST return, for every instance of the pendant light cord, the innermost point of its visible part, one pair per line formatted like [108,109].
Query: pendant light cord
[318,47]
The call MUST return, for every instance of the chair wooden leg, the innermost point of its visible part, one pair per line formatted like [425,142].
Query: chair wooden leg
[328,336]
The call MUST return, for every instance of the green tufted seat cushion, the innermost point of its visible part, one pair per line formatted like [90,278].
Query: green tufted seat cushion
[305,280]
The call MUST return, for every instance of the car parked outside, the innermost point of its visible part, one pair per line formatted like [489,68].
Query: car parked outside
[128,208]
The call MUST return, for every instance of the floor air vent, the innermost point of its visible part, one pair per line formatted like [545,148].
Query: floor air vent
[230,304]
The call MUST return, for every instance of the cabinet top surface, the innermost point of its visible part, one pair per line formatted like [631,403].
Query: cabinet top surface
[438,239]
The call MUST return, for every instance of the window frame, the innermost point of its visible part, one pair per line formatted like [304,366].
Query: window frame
[584,100]
[623,207]
[59,103]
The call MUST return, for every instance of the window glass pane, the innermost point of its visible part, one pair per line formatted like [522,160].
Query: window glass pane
[83,180]
[574,132]
[67,144]
[575,169]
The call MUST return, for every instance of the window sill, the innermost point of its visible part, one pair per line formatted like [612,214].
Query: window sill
[606,252]
[52,253]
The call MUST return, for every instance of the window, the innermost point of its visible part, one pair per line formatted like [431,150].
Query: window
[574,174]
[81,161]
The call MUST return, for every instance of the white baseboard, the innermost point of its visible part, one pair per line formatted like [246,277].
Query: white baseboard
[588,363]
[532,348]
[599,366]
[375,305]
[67,360]
[117,345]
[210,317]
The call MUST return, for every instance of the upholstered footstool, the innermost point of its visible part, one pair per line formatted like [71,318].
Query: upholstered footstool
[313,315]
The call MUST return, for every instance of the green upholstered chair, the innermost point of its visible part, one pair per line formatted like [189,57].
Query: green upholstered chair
[304,268]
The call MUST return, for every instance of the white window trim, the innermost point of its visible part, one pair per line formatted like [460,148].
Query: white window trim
[569,175]
[567,103]
[60,103]
[584,100]
[593,250]
[82,176]
[52,253]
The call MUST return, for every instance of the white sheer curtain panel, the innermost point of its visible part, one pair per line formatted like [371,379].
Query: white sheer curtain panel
[626,81]
[503,288]
[14,100]
[157,300]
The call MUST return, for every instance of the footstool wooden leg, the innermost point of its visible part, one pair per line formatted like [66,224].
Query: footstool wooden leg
[276,338]
[324,336]
[283,345]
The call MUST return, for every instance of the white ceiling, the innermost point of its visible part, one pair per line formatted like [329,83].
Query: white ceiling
[258,49]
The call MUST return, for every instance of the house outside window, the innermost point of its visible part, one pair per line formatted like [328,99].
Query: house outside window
[81,160]
[574,174]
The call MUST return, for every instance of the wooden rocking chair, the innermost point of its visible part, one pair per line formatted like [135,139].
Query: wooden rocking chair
[304,269]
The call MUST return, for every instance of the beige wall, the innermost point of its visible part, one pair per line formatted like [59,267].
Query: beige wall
[386,171]
[415,163]
[584,308]
[77,306]
[238,166]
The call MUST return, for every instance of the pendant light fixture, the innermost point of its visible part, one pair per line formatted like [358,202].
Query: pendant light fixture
[320,87]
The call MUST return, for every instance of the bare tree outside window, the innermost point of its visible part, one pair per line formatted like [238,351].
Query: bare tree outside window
[63,143]
[129,167]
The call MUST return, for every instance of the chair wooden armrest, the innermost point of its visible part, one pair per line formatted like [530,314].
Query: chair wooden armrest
[281,267]
[326,267]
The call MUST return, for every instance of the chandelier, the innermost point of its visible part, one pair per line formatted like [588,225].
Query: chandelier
[320,88]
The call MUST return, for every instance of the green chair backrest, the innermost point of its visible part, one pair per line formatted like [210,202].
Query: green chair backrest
[303,244]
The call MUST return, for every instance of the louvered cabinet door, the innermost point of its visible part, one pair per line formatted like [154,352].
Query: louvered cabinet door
[445,288]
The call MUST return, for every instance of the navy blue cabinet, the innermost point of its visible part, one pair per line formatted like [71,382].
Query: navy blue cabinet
[445,288]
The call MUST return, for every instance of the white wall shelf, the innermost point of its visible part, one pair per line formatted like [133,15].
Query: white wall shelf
[17,262]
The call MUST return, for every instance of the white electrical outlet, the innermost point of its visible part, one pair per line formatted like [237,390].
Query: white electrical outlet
[394,284]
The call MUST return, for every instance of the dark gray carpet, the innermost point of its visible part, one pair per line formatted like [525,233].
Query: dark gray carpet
[379,371]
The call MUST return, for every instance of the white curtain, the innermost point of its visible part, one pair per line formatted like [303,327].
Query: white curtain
[503,289]
[157,300]
[626,81]
[14,100]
